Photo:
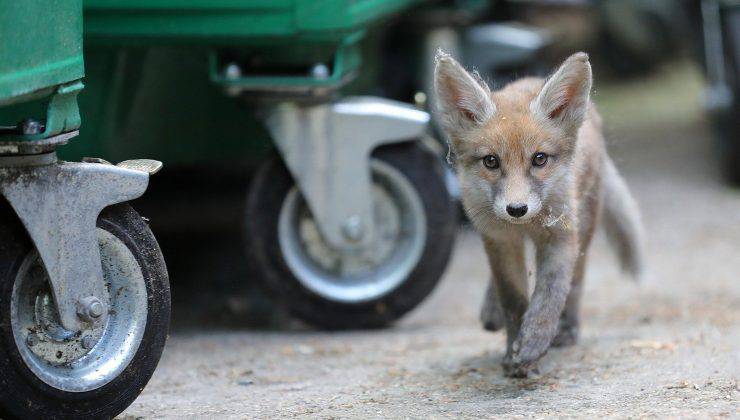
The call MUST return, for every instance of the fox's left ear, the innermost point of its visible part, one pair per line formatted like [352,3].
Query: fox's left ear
[564,98]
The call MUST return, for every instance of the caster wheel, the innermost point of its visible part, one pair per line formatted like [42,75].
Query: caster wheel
[415,221]
[726,127]
[49,372]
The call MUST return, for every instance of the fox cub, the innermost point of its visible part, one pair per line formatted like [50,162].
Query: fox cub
[533,166]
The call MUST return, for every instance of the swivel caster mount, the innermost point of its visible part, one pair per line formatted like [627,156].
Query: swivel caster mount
[84,291]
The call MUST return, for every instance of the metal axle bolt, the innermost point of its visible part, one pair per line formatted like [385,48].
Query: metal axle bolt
[90,308]
[320,71]
[353,229]
[96,310]
[30,127]
[233,72]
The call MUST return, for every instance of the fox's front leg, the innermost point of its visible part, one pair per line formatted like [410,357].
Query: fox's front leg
[492,314]
[556,258]
[506,255]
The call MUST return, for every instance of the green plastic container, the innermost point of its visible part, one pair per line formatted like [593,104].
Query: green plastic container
[232,22]
[288,33]
[157,83]
[40,64]
[40,46]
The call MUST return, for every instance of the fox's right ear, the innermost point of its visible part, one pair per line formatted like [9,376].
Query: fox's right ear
[463,100]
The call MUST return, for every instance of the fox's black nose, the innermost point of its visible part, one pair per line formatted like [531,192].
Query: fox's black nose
[516,210]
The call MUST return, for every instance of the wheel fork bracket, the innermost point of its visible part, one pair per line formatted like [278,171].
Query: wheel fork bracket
[327,148]
[58,204]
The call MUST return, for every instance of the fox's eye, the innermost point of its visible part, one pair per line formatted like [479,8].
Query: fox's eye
[491,162]
[539,159]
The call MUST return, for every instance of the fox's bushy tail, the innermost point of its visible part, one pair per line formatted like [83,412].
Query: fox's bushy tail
[622,222]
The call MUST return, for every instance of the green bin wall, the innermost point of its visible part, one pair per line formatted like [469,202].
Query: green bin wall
[40,45]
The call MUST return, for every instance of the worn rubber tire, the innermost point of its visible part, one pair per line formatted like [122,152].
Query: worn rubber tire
[265,199]
[728,124]
[22,394]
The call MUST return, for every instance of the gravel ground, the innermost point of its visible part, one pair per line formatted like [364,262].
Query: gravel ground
[669,347]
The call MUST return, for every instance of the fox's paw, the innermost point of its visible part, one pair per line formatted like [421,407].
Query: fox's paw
[518,370]
[492,326]
[492,316]
[529,347]
[567,336]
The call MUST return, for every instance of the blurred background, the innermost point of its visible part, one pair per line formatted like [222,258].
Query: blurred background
[663,69]
[256,280]
[320,261]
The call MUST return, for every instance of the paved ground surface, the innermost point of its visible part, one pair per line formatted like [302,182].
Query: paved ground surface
[667,347]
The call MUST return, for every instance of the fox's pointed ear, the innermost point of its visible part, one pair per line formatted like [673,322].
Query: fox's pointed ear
[565,97]
[463,99]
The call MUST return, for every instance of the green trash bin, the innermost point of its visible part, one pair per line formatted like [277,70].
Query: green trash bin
[41,58]
[41,46]
[348,222]
[84,294]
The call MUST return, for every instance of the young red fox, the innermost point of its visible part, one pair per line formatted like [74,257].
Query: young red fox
[533,166]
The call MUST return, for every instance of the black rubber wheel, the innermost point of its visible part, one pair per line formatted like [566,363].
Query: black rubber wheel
[22,393]
[272,183]
[728,123]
